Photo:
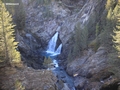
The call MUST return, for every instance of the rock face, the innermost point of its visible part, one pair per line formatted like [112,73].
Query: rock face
[27,79]
[91,71]
[29,48]
[44,19]
[91,62]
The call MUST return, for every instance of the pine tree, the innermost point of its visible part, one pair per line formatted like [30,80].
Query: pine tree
[19,15]
[12,56]
[106,38]
[80,42]
[110,4]
[116,36]
[18,12]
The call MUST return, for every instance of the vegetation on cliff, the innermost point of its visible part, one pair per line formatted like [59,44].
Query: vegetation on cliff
[97,42]
[107,34]
[17,11]
[8,51]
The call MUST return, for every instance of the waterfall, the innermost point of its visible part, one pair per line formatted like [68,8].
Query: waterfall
[59,49]
[55,63]
[52,52]
[52,44]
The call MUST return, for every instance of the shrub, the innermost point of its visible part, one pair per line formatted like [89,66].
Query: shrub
[80,42]
[18,85]
[94,44]
[47,61]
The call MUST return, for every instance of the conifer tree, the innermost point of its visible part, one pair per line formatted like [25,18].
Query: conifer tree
[110,4]
[106,38]
[19,15]
[116,37]
[12,56]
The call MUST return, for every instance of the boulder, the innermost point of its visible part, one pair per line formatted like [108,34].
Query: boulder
[91,67]
[65,87]
[80,82]
[88,65]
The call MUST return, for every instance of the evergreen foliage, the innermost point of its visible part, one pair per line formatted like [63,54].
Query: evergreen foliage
[81,37]
[10,8]
[18,85]
[18,12]
[9,46]
[105,36]
[116,36]
[112,38]
[97,30]
[110,4]
[80,42]
[47,61]
[107,25]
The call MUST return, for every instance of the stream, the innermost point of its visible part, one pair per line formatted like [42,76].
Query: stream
[59,71]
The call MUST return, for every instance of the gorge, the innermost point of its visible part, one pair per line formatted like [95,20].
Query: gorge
[52,46]
[66,45]
[54,66]
[66,17]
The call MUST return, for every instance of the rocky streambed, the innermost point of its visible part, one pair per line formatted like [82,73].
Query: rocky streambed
[52,63]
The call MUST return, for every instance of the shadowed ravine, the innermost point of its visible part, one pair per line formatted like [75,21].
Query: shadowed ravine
[55,68]
[84,34]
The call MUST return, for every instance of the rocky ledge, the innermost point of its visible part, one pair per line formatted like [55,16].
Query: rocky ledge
[91,71]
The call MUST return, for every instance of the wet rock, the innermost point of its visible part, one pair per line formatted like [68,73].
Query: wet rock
[61,75]
[59,84]
[61,68]
[111,84]
[65,87]
[64,80]
[80,82]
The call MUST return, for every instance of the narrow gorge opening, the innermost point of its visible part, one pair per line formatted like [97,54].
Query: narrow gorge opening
[53,63]
[52,46]
[62,45]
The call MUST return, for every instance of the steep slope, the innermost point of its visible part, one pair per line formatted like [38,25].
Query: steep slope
[43,19]
[26,79]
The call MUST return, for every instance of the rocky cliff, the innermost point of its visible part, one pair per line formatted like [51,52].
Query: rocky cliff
[43,19]
[91,71]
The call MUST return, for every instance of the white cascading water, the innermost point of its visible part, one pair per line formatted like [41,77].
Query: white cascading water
[51,48]
[51,51]
[52,45]
[59,49]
